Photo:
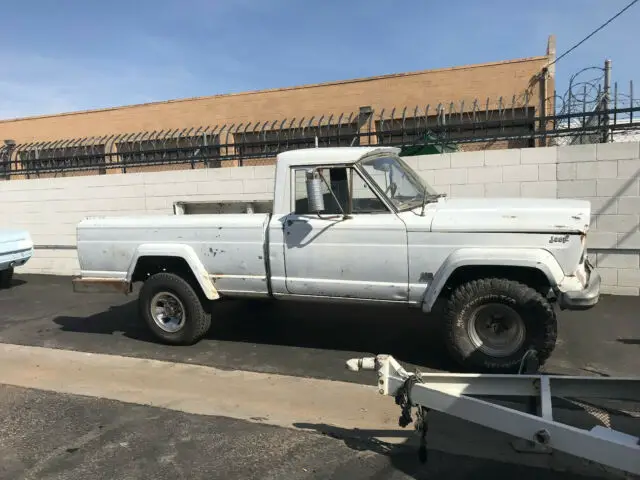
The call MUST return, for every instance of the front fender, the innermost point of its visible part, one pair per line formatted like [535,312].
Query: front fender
[185,252]
[537,258]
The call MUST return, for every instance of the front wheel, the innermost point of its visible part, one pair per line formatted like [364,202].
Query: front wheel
[490,324]
[173,310]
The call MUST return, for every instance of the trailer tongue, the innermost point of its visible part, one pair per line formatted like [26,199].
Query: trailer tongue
[456,395]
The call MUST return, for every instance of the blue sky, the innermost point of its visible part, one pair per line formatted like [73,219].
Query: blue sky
[78,54]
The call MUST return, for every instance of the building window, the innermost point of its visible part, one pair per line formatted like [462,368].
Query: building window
[55,159]
[457,127]
[270,142]
[398,131]
[201,148]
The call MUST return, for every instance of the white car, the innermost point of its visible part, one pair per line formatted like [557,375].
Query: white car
[16,248]
[357,224]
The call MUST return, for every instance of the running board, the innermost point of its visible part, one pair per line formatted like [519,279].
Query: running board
[451,394]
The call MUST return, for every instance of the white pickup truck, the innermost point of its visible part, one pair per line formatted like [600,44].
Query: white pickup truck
[16,248]
[357,224]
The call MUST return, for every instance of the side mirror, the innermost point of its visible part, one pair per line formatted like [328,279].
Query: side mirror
[382,165]
[314,191]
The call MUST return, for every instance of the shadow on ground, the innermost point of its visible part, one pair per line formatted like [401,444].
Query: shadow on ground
[15,283]
[404,458]
[411,337]
[406,334]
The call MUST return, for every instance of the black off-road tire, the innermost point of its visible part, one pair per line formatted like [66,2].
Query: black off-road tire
[536,313]
[6,277]
[198,320]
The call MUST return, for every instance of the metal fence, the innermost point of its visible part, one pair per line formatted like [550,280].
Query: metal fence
[503,123]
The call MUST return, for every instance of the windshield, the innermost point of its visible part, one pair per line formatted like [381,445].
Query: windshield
[404,187]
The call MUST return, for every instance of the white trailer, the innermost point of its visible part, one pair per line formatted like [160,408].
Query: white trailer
[456,395]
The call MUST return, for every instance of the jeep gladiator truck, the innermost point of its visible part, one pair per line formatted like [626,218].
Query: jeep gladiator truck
[357,224]
[16,248]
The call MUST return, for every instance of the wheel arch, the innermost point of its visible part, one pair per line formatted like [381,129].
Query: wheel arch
[534,267]
[174,258]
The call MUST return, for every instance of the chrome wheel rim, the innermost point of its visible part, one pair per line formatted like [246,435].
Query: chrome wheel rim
[497,330]
[168,312]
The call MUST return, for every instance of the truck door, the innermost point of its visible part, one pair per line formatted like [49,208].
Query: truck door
[364,256]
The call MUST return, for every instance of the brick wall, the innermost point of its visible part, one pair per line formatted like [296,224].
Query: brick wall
[607,175]
[413,89]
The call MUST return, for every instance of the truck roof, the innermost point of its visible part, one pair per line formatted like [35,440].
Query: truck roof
[310,156]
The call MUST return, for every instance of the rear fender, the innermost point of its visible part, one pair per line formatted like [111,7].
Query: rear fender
[180,251]
[536,258]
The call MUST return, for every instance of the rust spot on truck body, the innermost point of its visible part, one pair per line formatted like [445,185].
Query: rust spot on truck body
[425,277]
[100,285]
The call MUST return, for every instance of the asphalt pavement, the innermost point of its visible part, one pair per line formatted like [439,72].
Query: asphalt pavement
[47,435]
[300,339]
[54,435]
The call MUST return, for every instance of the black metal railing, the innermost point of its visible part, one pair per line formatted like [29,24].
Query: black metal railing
[454,126]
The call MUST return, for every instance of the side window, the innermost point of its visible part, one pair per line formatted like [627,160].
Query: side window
[341,179]
[300,191]
[364,200]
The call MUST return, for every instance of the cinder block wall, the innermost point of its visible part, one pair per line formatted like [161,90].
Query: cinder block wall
[607,175]
[51,208]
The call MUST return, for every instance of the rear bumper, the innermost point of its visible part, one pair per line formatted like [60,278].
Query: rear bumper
[15,259]
[100,285]
[583,299]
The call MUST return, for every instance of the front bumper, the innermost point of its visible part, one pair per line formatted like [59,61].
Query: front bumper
[585,298]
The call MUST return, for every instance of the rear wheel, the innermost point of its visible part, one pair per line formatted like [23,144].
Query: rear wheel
[6,277]
[490,324]
[173,310]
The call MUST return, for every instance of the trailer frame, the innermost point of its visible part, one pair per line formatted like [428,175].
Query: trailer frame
[455,394]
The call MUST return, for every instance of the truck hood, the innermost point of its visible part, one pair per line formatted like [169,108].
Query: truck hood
[539,215]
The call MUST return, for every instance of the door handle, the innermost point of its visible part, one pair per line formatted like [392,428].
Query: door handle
[291,222]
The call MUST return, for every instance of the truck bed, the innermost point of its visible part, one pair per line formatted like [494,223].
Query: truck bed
[230,246]
[227,207]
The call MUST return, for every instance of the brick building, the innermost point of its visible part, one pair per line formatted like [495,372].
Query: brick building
[228,126]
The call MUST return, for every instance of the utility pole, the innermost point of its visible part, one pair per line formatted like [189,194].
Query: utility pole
[606,99]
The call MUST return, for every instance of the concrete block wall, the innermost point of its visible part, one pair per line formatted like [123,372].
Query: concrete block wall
[491,173]
[607,175]
[51,208]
